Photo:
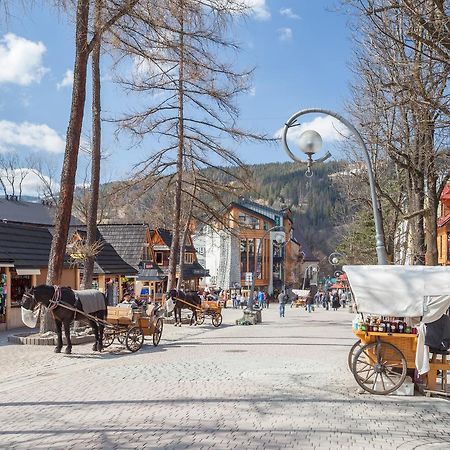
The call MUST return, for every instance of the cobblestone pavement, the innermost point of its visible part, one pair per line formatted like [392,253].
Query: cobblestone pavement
[281,384]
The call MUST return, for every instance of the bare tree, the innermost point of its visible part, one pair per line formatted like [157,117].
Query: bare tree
[175,46]
[402,103]
[83,46]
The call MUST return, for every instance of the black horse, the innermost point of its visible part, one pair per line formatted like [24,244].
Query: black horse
[52,297]
[185,300]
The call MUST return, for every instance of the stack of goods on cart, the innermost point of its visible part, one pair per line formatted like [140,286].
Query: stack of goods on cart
[384,324]
[3,290]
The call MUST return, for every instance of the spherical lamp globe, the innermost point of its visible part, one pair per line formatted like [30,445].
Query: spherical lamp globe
[310,142]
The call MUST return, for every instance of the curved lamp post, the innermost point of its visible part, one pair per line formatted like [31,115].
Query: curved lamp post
[310,144]
[258,253]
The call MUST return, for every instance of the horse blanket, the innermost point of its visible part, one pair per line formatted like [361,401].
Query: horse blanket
[91,300]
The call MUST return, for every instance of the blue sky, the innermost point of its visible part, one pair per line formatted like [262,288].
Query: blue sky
[301,50]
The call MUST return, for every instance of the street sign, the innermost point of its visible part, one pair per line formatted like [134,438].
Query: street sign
[248,277]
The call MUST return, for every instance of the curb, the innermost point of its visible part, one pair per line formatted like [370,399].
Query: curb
[28,340]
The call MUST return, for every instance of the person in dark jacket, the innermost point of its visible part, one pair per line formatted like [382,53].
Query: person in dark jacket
[335,302]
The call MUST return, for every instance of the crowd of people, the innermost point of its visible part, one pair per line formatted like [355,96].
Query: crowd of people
[328,299]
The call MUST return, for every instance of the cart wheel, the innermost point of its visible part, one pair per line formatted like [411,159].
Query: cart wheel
[355,347]
[379,368]
[158,332]
[108,337]
[200,318]
[217,320]
[134,339]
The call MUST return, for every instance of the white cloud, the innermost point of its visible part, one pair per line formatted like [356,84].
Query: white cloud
[329,128]
[285,34]
[34,136]
[259,9]
[32,184]
[66,81]
[287,12]
[21,60]
[252,91]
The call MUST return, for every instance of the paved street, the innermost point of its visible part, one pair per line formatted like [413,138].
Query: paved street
[282,384]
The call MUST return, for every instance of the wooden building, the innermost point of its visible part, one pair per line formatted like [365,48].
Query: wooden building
[277,265]
[24,254]
[443,232]
[193,271]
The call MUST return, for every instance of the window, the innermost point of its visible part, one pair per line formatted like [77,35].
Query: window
[159,257]
[146,253]
[188,258]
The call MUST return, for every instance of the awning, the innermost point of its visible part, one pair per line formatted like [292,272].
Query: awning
[150,275]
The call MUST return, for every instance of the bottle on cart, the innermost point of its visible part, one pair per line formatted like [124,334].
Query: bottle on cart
[401,327]
[382,327]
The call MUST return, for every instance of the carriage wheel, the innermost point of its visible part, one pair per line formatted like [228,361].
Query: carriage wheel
[355,347]
[379,368]
[200,318]
[217,320]
[158,332]
[108,337]
[134,339]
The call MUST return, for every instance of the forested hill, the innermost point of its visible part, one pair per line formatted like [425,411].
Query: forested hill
[314,201]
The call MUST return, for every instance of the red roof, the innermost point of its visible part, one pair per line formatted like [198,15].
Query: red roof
[446,192]
[443,220]
[337,286]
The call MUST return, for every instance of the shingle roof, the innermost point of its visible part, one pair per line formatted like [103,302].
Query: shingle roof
[251,211]
[127,240]
[25,246]
[28,212]
[108,261]
[166,236]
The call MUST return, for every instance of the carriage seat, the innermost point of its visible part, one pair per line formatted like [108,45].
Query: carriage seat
[439,368]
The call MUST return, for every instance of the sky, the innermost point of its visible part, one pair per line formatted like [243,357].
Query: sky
[301,50]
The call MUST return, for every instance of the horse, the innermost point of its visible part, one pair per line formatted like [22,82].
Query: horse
[52,297]
[192,301]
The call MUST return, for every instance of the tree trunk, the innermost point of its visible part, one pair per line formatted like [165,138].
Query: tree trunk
[175,247]
[64,210]
[91,222]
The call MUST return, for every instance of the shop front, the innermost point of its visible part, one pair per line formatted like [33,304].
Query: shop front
[13,283]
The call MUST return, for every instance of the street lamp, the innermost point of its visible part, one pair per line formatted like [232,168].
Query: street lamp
[379,233]
[279,239]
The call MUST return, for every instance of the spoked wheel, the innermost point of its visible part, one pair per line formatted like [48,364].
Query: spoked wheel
[379,368]
[355,347]
[121,338]
[158,332]
[108,337]
[200,318]
[217,320]
[134,339]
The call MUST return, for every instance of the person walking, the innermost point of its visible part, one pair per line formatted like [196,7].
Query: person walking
[243,301]
[266,299]
[261,299]
[282,298]
[335,302]
[310,303]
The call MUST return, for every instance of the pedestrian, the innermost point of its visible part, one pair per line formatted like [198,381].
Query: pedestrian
[234,299]
[261,299]
[243,300]
[282,299]
[310,303]
[317,298]
[335,302]
[326,301]
[266,299]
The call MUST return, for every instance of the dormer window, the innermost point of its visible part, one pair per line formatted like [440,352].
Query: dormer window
[159,257]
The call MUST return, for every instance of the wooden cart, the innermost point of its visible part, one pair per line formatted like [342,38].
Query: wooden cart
[212,309]
[130,327]
[379,360]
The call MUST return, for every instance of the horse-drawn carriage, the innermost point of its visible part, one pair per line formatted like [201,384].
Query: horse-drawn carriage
[210,308]
[130,326]
[395,303]
[200,308]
